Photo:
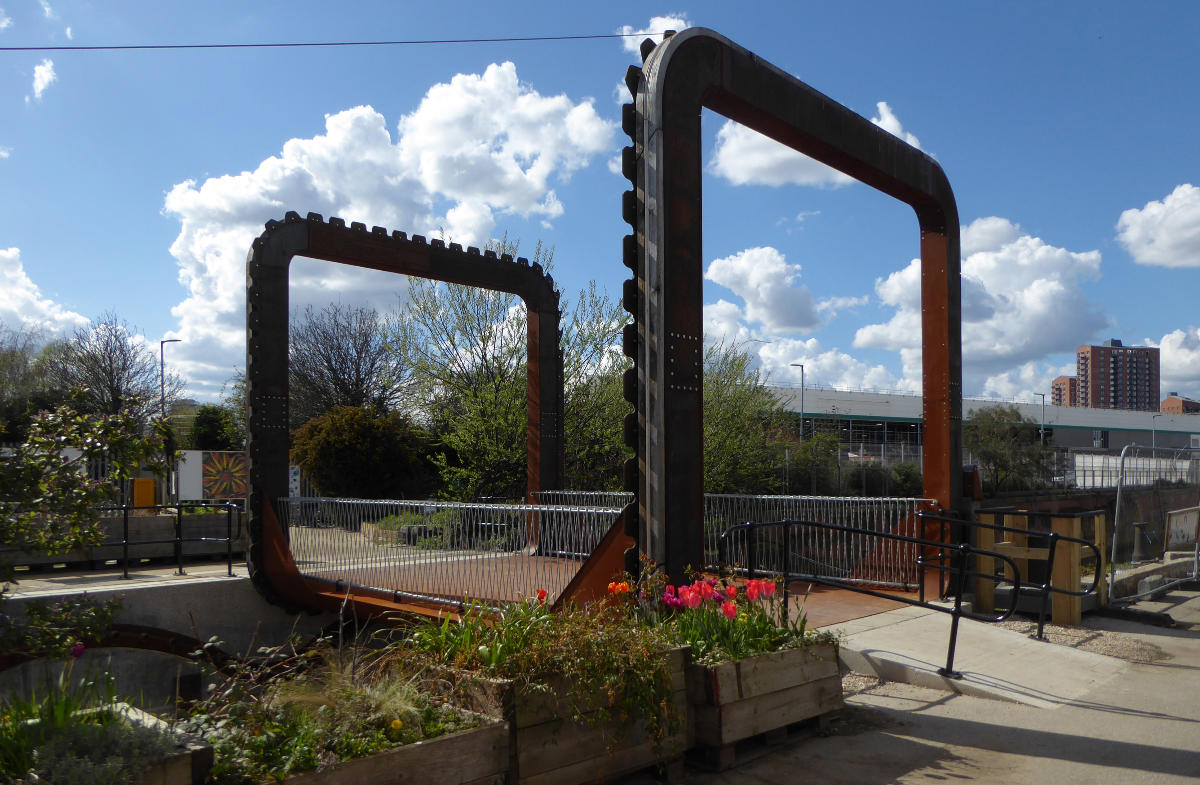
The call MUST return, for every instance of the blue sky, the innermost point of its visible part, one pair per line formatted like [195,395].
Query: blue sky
[133,181]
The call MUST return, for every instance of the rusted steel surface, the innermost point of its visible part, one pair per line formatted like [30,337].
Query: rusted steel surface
[699,69]
[267,359]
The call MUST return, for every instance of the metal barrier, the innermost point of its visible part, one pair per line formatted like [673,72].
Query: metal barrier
[770,552]
[1172,473]
[848,554]
[178,540]
[443,552]
[840,555]
[960,530]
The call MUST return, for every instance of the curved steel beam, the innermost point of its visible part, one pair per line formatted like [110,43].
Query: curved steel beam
[269,559]
[698,69]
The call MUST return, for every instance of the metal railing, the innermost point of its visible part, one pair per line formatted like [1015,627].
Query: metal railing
[443,552]
[955,530]
[847,553]
[767,548]
[178,539]
[840,555]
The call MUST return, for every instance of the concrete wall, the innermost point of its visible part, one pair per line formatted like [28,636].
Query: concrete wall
[228,608]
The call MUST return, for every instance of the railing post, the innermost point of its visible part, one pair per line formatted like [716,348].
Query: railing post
[179,539]
[752,555]
[960,578]
[1048,585]
[125,541]
[229,538]
[787,564]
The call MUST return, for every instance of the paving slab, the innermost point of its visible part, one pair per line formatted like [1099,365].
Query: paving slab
[910,645]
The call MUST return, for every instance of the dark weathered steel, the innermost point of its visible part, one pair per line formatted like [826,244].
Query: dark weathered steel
[699,69]
[267,357]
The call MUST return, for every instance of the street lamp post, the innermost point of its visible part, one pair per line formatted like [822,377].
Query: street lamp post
[1042,430]
[801,367]
[162,373]
[162,402]
[1154,431]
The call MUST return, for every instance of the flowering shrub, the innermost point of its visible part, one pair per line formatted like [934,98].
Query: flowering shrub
[720,619]
[593,651]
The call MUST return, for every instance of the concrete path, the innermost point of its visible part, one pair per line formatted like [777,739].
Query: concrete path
[910,645]
[1060,717]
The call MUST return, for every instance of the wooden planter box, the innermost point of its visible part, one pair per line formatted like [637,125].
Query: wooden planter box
[733,701]
[476,755]
[546,747]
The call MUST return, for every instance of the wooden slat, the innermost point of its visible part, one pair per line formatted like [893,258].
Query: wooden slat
[720,725]
[475,754]
[1064,608]
[1014,552]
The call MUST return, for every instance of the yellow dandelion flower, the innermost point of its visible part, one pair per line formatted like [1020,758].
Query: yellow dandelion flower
[397,724]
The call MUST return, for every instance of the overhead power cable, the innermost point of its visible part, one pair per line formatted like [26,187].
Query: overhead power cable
[313,44]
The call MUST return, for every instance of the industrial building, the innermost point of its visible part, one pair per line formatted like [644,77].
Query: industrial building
[889,423]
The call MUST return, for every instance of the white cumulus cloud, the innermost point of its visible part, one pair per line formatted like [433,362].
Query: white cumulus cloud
[824,367]
[47,10]
[1022,300]
[745,157]
[657,25]
[491,143]
[769,286]
[475,147]
[43,77]
[5,20]
[1164,233]
[1179,362]
[23,304]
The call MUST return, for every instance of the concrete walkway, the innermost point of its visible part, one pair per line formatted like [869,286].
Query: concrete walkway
[1025,711]
[910,645]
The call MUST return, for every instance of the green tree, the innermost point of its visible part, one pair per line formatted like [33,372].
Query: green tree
[593,366]
[213,429]
[339,356]
[49,499]
[1007,448]
[814,465]
[114,372]
[743,451]
[361,453]
[24,388]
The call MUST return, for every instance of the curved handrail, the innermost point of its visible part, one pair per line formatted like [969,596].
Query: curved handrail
[958,569]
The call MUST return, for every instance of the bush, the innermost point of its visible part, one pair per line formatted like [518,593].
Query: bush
[359,453]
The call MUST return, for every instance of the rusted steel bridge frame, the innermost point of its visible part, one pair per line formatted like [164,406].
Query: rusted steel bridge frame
[270,560]
[699,69]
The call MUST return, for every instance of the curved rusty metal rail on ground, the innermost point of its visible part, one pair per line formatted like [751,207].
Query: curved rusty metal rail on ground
[143,638]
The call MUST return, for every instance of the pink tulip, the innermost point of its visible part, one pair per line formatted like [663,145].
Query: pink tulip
[729,609]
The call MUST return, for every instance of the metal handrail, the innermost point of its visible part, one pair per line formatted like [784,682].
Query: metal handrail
[958,569]
[1053,539]
[178,540]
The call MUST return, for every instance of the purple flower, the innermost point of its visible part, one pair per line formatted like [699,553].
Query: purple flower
[77,650]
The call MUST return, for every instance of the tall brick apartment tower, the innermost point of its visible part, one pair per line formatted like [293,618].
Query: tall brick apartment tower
[1112,376]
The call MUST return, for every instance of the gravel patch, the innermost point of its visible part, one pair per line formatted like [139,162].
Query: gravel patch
[1112,644]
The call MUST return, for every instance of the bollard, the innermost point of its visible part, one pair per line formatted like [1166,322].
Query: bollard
[1141,542]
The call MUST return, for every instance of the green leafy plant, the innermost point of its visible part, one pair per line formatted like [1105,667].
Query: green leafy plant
[74,733]
[298,710]
[53,628]
[587,652]
[49,500]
